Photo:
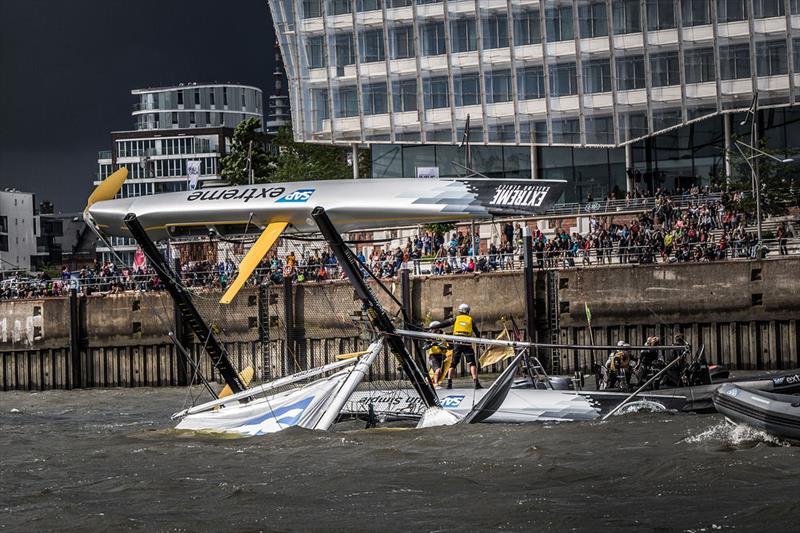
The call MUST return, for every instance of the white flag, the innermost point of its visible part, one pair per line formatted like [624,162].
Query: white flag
[193,171]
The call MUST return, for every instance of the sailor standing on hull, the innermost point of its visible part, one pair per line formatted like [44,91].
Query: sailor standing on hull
[463,326]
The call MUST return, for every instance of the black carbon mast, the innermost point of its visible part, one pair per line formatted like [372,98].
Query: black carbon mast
[377,315]
[189,313]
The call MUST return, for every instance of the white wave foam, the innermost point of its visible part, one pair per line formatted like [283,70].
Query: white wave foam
[735,435]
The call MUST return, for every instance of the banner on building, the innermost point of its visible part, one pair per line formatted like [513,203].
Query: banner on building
[428,172]
[193,171]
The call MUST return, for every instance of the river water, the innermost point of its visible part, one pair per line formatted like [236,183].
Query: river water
[107,460]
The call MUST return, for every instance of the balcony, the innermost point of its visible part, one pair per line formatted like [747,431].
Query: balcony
[145,106]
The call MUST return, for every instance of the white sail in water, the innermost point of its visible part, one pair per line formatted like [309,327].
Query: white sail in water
[312,406]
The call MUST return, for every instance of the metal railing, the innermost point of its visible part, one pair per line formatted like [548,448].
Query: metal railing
[629,204]
[118,282]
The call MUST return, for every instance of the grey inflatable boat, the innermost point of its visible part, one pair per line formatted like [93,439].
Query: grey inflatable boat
[778,414]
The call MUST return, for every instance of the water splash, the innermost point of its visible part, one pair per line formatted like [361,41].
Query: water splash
[735,436]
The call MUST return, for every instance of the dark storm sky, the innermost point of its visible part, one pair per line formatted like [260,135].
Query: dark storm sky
[67,68]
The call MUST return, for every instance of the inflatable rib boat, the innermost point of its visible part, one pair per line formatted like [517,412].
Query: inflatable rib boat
[778,414]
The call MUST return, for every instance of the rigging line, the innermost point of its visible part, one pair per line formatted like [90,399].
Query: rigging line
[158,316]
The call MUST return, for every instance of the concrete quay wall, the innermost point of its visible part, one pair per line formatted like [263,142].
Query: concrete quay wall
[744,312]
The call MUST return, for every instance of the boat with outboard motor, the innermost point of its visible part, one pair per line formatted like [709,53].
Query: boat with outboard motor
[777,414]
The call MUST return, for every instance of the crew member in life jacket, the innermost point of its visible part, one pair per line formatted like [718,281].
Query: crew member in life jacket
[436,351]
[463,326]
[618,365]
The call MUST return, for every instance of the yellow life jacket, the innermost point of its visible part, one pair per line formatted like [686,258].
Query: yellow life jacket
[438,349]
[619,357]
[463,326]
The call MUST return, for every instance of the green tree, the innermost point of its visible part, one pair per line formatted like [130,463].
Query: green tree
[233,167]
[779,184]
[308,161]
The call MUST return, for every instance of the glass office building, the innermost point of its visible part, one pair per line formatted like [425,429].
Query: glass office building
[552,73]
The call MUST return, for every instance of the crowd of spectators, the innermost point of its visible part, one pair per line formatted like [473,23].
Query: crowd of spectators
[693,226]
[100,278]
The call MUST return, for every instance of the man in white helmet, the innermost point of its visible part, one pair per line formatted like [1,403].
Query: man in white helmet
[463,326]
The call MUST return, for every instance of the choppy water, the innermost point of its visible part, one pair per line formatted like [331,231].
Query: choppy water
[107,460]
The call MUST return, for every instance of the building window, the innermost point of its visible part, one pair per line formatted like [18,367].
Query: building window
[696,12]
[344,49]
[627,16]
[368,5]
[316,52]
[211,97]
[435,92]
[498,86]
[399,3]
[567,131]
[174,119]
[771,58]
[339,7]
[796,47]
[599,130]
[502,133]
[530,83]
[558,23]
[699,65]
[321,112]
[224,96]
[463,35]
[768,8]
[593,19]
[630,73]
[347,99]
[664,69]
[596,76]
[660,14]
[402,42]
[731,10]
[3,224]
[312,9]
[197,97]
[3,243]
[433,42]
[244,101]
[370,46]
[180,98]
[404,95]
[374,98]
[495,31]
[466,89]
[527,28]
[734,61]
[563,79]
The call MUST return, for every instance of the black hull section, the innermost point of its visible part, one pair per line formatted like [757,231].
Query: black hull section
[699,398]
[778,414]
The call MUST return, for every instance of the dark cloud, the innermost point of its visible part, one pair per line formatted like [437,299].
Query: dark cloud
[67,69]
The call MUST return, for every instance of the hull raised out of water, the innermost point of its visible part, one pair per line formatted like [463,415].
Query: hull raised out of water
[350,204]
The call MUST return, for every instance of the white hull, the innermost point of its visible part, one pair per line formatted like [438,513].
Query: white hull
[522,405]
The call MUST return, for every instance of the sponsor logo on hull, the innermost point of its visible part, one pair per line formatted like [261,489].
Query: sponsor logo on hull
[298,196]
[519,195]
[246,194]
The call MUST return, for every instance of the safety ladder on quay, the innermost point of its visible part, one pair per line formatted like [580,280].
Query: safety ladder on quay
[554,323]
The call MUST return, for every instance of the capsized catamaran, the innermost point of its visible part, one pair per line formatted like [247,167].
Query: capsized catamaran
[305,207]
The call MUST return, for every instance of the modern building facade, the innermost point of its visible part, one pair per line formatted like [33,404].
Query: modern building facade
[278,110]
[176,127]
[572,74]
[19,228]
